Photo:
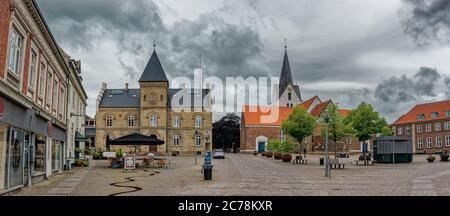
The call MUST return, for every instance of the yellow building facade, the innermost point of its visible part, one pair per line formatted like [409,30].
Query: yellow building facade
[171,115]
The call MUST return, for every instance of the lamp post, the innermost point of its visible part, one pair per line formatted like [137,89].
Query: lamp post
[196,146]
[327,167]
[207,141]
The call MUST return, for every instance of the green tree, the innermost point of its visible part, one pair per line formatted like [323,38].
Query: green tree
[337,128]
[274,145]
[286,147]
[299,124]
[387,131]
[365,121]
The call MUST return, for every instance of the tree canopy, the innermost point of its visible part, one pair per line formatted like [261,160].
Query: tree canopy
[365,121]
[299,124]
[226,131]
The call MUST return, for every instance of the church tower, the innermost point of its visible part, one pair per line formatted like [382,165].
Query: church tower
[289,94]
[153,101]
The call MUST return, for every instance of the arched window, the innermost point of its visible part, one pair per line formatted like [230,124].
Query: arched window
[109,121]
[131,121]
[153,121]
[198,121]
[198,140]
[176,121]
[176,140]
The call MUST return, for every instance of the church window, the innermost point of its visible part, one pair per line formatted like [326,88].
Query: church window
[153,121]
[109,121]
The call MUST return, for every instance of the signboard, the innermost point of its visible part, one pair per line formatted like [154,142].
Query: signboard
[109,154]
[208,158]
[129,161]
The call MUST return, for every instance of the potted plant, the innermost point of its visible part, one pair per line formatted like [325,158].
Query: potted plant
[255,153]
[263,154]
[286,148]
[272,146]
[431,158]
[119,153]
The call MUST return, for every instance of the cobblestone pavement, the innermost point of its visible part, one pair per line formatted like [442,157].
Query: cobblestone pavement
[241,174]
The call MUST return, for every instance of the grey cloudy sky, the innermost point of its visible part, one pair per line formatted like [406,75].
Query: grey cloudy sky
[391,53]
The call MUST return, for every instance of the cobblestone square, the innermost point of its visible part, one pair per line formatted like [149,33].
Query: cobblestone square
[244,174]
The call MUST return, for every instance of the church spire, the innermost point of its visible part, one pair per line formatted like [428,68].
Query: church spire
[154,71]
[286,76]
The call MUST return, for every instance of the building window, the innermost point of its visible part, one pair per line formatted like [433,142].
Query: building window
[61,101]
[434,114]
[32,69]
[55,94]
[15,52]
[153,121]
[42,80]
[420,116]
[130,121]
[419,128]
[176,140]
[437,126]
[400,131]
[428,128]
[198,140]
[281,135]
[447,141]
[439,142]
[109,121]
[161,98]
[447,126]
[198,121]
[49,87]
[176,121]
[429,142]
[447,113]
[419,143]
[289,96]
[407,130]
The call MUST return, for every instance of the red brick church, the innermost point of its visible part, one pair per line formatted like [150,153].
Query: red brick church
[256,131]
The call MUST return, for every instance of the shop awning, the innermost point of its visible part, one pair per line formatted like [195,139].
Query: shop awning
[136,139]
[80,137]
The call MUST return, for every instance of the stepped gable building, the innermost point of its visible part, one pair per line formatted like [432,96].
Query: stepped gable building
[255,132]
[185,127]
[428,125]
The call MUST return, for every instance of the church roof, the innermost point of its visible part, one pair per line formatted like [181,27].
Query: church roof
[154,71]
[286,78]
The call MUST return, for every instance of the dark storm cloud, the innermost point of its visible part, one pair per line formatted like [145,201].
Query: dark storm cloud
[447,85]
[226,49]
[427,20]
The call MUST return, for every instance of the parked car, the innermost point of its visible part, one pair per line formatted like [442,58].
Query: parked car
[219,154]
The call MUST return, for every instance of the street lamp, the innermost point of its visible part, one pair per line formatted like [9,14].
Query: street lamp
[207,140]
[196,146]
[327,167]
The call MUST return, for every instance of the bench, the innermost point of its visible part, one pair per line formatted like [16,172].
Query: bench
[300,160]
[335,164]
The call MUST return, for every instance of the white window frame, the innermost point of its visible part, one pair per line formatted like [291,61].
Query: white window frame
[429,142]
[198,121]
[176,121]
[176,140]
[447,113]
[61,99]
[447,125]
[15,51]
[400,131]
[198,140]
[130,121]
[434,114]
[109,121]
[49,93]
[419,143]
[407,130]
[153,120]
[439,142]
[447,141]
[55,93]
[42,79]
[437,126]
[32,68]
[420,116]
[419,128]
[428,128]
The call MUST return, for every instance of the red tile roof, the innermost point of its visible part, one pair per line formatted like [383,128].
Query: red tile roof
[317,110]
[344,112]
[441,107]
[259,115]
[309,102]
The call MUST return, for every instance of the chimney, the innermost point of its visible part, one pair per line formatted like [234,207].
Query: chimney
[126,86]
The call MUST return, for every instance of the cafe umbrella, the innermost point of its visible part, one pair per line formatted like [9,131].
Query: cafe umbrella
[136,139]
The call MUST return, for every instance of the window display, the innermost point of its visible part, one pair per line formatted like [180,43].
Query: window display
[38,155]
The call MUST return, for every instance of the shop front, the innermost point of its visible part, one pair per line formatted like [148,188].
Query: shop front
[29,146]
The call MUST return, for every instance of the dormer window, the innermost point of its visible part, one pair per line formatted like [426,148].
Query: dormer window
[434,114]
[447,113]
[420,116]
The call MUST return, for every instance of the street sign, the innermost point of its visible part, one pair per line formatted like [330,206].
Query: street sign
[208,158]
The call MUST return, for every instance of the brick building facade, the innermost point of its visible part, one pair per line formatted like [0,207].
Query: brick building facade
[428,125]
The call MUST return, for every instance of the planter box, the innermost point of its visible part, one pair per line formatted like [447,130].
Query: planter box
[286,158]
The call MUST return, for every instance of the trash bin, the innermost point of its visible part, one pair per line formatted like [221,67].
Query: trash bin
[322,161]
[207,172]
[68,164]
